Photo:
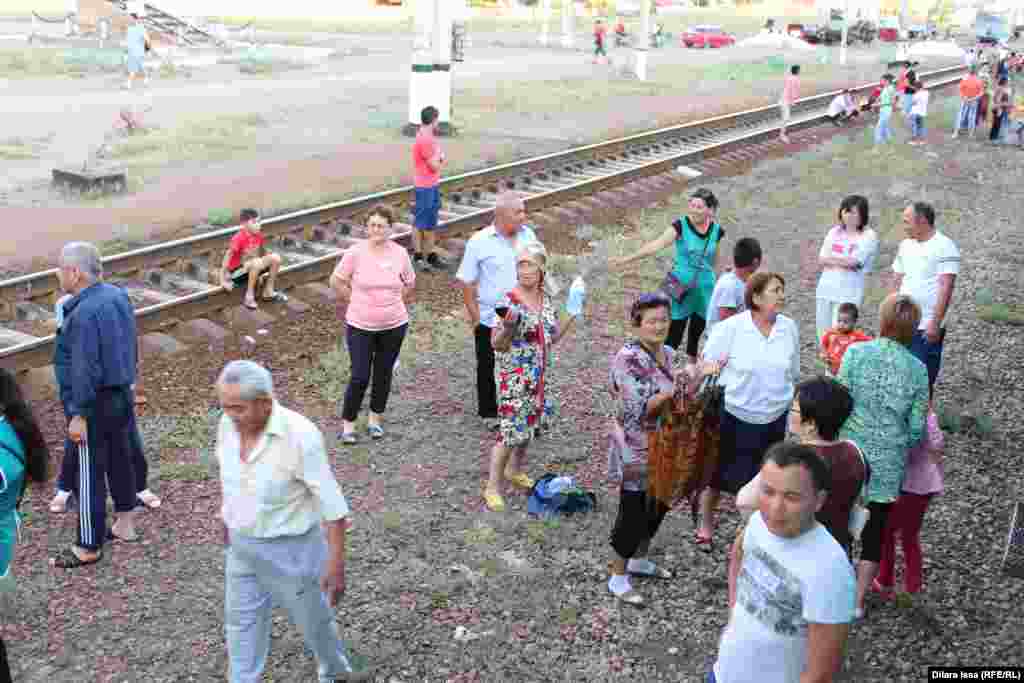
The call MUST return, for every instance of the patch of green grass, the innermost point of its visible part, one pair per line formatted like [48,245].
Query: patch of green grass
[184,471]
[489,567]
[1002,313]
[391,520]
[212,139]
[330,375]
[191,431]
[18,149]
[220,217]
[481,534]
[568,615]
[439,600]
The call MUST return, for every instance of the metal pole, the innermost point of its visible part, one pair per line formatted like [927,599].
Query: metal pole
[568,21]
[642,41]
[545,20]
[846,33]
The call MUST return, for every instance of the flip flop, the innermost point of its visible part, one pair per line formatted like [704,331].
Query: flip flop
[113,538]
[704,543]
[251,305]
[149,499]
[276,298]
[66,559]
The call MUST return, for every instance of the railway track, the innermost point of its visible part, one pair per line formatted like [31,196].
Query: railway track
[174,282]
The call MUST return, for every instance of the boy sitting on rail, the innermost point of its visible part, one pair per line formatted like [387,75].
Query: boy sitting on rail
[246,261]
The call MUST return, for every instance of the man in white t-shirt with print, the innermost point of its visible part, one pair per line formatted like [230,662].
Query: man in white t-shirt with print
[794,595]
[926,266]
[727,297]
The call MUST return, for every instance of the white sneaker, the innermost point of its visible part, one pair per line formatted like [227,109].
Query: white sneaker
[59,503]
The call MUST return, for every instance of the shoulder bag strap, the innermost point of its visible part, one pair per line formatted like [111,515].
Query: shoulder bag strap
[867,471]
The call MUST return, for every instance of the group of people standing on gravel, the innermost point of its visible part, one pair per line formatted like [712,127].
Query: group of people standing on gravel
[866,458]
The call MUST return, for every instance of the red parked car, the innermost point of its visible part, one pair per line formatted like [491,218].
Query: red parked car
[706,36]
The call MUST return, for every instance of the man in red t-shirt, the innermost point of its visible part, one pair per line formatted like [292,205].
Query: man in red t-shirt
[599,51]
[427,160]
[246,261]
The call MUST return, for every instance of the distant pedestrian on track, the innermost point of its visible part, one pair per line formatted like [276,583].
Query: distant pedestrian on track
[847,255]
[842,108]
[926,266]
[918,112]
[67,479]
[99,326]
[1002,103]
[522,341]
[697,238]
[285,519]
[376,277]
[790,94]
[883,129]
[23,458]
[600,34]
[487,273]
[247,260]
[427,160]
[971,91]
[136,43]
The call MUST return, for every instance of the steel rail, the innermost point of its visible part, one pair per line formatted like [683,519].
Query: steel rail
[212,244]
[158,317]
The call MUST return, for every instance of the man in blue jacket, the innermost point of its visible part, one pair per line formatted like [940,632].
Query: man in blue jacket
[67,481]
[99,330]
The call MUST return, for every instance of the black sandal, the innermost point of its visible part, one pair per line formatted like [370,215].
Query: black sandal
[66,559]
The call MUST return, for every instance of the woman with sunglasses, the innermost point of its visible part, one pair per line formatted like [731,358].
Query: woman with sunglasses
[889,387]
[23,457]
[642,382]
[697,238]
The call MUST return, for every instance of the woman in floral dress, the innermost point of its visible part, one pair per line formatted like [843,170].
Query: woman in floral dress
[527,328]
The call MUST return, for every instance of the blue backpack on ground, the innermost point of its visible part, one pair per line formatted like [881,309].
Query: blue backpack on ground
[554,495]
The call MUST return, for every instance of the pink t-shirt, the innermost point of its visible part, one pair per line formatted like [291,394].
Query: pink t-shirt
[423,150]
[791,89]
[376,280]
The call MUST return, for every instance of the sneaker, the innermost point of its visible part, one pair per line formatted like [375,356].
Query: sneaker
[348,438]
[423,266]
[437,262]
[59,503]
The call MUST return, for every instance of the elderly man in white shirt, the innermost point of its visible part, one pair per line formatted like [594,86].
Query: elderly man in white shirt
[487,273]
[280,497]
[842,108]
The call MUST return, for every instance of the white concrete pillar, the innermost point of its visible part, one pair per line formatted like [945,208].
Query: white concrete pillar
[642,42]
[545,21]
[430,83]
[568,23]
[846,33]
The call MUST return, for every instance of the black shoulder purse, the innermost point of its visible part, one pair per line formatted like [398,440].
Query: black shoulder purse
[672,286]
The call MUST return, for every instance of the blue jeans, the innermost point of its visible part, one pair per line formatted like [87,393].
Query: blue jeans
[710,677]
[883,131]
[929,354]
[968,117]
[917,127]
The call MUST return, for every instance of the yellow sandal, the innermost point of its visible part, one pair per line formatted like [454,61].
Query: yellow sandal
[494,501]
[520,479]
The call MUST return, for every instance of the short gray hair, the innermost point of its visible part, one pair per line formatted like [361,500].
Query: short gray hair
[253,379]
[85,256]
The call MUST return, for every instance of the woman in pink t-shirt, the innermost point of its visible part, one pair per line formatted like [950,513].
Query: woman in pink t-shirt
[376,278]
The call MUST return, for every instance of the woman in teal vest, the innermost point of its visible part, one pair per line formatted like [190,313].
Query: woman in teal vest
[23,456]
[697,239]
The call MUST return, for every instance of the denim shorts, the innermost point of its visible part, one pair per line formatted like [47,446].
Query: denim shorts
[428,206]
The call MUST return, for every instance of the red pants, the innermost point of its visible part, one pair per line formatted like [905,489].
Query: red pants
[905,518]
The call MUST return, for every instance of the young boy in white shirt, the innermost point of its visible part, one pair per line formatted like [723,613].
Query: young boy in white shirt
[918,112]
[727,297]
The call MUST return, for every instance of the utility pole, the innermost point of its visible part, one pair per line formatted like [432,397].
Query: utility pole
[545,20]
[844,39]
[568,23]
[430,83]
[642,41]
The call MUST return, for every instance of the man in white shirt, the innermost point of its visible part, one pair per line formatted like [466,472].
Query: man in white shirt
[727,298]
[842,108]
[284,527]
[926,266]
[794,593]
[487,273]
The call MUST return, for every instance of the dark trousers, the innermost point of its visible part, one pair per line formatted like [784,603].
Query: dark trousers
[5,669]
[997,123]
[638,520]
[930,354]
[675,333]
[373,355]
[67,480]
[108,456]
[486,389]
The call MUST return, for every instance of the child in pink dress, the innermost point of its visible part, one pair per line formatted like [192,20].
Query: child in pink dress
[923,479]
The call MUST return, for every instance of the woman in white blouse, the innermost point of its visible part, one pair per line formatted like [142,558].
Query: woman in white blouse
[847,255]
[763,351]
